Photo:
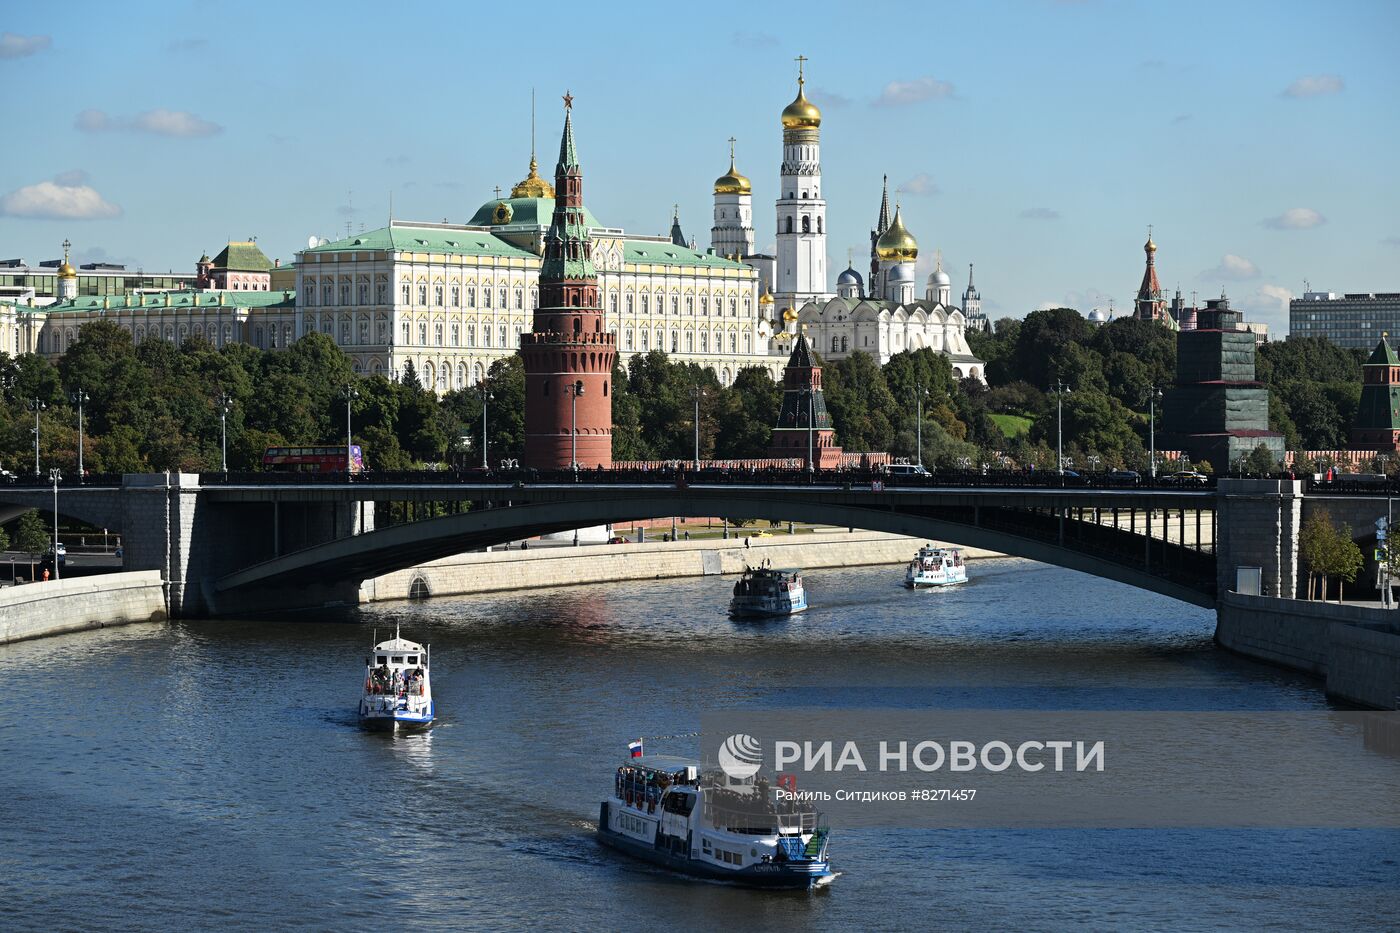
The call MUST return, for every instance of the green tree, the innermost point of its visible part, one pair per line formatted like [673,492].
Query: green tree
[1261,460]
[746,413]
[31,537]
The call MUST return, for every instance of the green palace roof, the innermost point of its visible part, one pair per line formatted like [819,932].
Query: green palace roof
[174,300]
[409,239]
[1383,355]
[668,253]
[243,257]
[528,212]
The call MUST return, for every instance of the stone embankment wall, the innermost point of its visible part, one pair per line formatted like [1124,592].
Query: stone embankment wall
[1356,648]
[38,609]
[603,563]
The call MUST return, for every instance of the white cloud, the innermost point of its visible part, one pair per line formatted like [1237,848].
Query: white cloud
[1295,218]
[64,198]
[754,40]
[899,93]
[1040,213]
[921,185]
[1315,85]
[17,46]
[158,122]
[1232,268]
[1268,304]
[829,99]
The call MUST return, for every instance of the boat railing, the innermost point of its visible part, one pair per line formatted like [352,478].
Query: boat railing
[374,688]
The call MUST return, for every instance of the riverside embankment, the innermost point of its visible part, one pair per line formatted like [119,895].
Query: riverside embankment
[561,566]
[38,609]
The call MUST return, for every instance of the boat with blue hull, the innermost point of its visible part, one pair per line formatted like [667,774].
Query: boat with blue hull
[714,826]
[935,567]
[764,591]
[398,693]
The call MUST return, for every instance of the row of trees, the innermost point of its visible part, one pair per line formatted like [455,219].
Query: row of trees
[1329,551]
[157,406]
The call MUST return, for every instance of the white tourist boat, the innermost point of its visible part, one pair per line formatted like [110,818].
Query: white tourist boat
[712,826]
[398,695]
[935,566]
[763,591]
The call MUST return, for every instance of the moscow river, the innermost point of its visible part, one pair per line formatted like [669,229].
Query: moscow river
[211,774]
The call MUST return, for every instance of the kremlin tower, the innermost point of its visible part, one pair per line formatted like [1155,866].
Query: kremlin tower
[1151,302]
[732,234]
[803,422]
[569,356]
[800,274]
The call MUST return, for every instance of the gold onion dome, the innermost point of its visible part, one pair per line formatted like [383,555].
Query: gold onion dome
[789,315]
[897,244]
[533,186]
[1150,246]
[731,182]
[66,271]
[766,298]
[801,113]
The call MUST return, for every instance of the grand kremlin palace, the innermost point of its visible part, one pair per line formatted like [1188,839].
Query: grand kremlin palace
[449,298]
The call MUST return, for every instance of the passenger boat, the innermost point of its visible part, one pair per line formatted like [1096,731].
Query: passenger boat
[398,695]
[714,826]
[763,591]
[935,566]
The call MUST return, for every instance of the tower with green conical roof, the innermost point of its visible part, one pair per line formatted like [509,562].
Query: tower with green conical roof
[568,355]
[1377,424]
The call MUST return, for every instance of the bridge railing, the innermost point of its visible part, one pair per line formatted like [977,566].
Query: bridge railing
[854,479]
[70,479]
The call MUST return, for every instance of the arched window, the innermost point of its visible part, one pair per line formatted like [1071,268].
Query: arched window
[486,335]
[502,335]
[456,295]
[442,378]
[437,334]
[844,344]
[704,341]
[612,302]
[646,304]
[835,344]
[675,341]
[363,330]
[629,338]
[645,334]
[422,334]
[422,294]
[819,225]
[327,294]
[461,375]
[471,297]
[704,306]
[404,336]
[403,294]
[486,297]
[806,224]
[689,342]
[503,296]
[308,288]
[733,307]
[519,299]
[629,302]
[788,226]
[733,342]
[456,335]
[364,293]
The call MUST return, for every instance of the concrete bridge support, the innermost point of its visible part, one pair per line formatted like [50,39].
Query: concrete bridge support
[170,524]
[1257,526]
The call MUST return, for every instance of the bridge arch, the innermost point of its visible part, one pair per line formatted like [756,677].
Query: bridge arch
[354,559]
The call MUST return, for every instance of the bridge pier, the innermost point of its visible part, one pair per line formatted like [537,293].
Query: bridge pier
[1257,525]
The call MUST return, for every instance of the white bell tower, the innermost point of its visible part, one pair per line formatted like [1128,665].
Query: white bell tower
[801,261]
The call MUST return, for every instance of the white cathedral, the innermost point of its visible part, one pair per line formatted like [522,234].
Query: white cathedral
[883,320]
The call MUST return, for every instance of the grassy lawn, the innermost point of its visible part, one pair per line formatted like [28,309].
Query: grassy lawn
[1013,426]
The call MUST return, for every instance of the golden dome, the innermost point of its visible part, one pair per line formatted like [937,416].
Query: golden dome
[66,271]
[1150,246]
[801,113]
[789,315]
[533,186]
[897,244]
[731,182]
[766,298]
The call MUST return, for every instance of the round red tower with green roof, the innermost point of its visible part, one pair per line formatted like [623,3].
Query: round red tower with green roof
[568,356]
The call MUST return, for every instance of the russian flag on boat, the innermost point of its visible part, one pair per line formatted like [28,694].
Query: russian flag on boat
[635,748]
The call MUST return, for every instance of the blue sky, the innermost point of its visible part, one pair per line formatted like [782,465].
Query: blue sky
[1035,138]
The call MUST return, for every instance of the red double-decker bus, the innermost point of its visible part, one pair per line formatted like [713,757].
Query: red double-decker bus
[313,459]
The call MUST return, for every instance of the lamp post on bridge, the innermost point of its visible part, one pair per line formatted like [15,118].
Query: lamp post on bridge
[696,393]
[1154,395]
[225,406]
[36,405]
[575,389]
[349,393]
[1060,390]
[919,393]
[484,398]
[54,476]
[79,397]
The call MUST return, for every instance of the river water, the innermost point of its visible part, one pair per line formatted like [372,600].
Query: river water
[202,775]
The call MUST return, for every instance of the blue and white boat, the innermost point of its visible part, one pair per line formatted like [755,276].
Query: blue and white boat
[935,566]
[713,826]
[398,693]
[763,591]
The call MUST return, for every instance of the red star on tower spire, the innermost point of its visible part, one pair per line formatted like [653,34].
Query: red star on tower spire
[568,101]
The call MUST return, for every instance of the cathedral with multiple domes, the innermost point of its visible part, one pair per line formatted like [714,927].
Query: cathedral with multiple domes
[883,318]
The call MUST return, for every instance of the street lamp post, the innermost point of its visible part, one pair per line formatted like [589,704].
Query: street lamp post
[54,477]
[349,393]
[1061,390]
[79,397]
[36,406]
[919,419]
[225,406]
[575,390]
[1154,395]
[695,393]
[483,426]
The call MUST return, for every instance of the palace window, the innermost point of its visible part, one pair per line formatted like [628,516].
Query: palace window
[405,338]
[364,293]
[422,294]
[704,341]
[486,297]
[502,333]
[629,338]
[646,304]
[437,295]
[733,343]
[456,335]
[471,297]
[403,295]
[612,302]
[503,297]
[675,305]
[629,302]
[733,307]
[519,299]
[327,295]
[705,305]
[645,332]
[486,335]
[689,342]
[437,334]
[422,335]
[675,341]
[381,293]
[364,330]
[471,335]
